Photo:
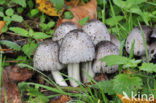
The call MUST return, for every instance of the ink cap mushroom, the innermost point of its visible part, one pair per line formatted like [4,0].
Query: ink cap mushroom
[97,31]
[76,47]
[46,59]
[154,33]
[115,40]
[135,35]
[103,49]
[152,51]
[62,30]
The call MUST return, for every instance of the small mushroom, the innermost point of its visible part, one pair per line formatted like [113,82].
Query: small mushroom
[103,49]
[62,30]
[152,50]
[139,49]
[97,31]
[154,33]
[46,59]
[115,40]
[76,47]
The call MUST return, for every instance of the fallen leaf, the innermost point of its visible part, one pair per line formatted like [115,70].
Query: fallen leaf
[47,7]
[8,88]
[137,100]
[100,77]
[61,99]
[2,23]
[80,12]
[18,74]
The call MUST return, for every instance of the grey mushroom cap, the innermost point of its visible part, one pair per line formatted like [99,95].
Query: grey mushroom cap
[152,50]
[76,47]
[139,49]
[115,40]
[46,56]
[62,30]
[103,49]
[154,33]
[97,31]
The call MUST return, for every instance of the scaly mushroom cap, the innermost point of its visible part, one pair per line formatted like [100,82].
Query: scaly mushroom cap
[97,31]
[103,49]
[46,56]
[115,40]
[62,30]
[139,49]
[154,33]
[76,47]
[152,50]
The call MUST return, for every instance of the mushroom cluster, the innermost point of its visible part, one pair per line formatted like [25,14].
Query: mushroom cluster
[80,50]
[139,47]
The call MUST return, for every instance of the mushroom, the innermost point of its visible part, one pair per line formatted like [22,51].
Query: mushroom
[139,49]
[154,33]
[103,49]
[46,59]
[97,31]
[152,50]
[62,30]
[76,47]
[115,40]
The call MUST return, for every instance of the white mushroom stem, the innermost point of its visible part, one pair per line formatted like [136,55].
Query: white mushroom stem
[58,78]
[87,68]
[74,73]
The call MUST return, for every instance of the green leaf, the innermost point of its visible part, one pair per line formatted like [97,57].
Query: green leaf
[20,2]
[58,4]
[11,44]
[29,48]
[83,21]
[148,67]
[34,12]
[22,59]
[17,18]
[126,83]
[114,20]
[9,12]
[20,10]
[30,4]
[68,15]
[7,19]
[50,24]
[40,35]
[120,60]
[19,31]
[114,60]
[5,28]
[1,14]
[43,26]
[2,1]
[127,4]
[106,86]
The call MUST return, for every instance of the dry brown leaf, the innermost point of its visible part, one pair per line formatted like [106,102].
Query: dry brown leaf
[100,77]
[124,100]
[9,89]
[17,74]
[61,99]
[80,12]
[2,23]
